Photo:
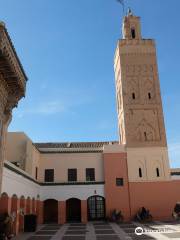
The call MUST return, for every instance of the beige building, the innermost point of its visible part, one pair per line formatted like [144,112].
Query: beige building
[35,158]
[22,152]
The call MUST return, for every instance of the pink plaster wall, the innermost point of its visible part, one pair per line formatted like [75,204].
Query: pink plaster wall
[159,197]
[117,197]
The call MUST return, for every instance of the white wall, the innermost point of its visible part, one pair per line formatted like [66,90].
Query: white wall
[65,192]
[16,184]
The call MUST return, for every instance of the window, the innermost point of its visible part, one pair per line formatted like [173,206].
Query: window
[90,174]
[157,172]
[36,173]
[140,172]
[119,182]
[133,96]
[133,33]
[72,175]
[49,175]
[149,95]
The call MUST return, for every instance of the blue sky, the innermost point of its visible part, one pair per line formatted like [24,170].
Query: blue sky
[67,49]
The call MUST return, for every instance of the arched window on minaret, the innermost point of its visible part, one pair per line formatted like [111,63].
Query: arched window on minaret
[149,95]
[140,172]
[133,96]
[145,136]
[157,172]
[133,33]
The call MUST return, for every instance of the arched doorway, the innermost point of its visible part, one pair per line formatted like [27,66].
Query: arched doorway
[73,210]
[4,203]
[50,211]
[96,208]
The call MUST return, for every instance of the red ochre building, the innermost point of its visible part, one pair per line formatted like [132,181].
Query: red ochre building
[83,181]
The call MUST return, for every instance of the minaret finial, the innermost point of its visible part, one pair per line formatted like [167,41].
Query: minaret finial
[2,23]
[129,12]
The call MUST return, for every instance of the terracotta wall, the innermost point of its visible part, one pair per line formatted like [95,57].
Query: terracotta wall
[84,211]
[40,212]
[28,205]
[159,197]
[117,197]
[5,204]
[61,212]
[14,205]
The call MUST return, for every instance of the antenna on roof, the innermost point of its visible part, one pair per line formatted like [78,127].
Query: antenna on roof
[122,4]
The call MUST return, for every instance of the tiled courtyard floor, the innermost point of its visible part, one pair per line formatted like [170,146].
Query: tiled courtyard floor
[105,231]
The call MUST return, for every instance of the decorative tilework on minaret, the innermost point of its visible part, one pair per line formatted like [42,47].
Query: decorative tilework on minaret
[140,114]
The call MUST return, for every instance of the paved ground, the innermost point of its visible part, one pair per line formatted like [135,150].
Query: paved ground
[105,231]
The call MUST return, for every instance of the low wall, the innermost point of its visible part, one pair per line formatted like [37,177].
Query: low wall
[159,197]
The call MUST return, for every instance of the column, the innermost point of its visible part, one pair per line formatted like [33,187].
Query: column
[61,212]
[84,211]
[40,215]
[33,206]
[28,206]
[36,207]
[17,217]
[22,213]
[15,207]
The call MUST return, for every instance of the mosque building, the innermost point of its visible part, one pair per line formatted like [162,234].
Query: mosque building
[86,181]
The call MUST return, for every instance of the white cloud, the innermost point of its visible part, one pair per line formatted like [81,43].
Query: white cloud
[50,108]
[62,104]
[45,108]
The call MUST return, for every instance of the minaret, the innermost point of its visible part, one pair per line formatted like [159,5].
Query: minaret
[139,106]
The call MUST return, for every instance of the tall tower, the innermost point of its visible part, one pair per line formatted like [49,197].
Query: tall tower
[139,106]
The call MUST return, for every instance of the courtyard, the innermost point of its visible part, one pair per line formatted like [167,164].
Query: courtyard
[105,231]
[68,170]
